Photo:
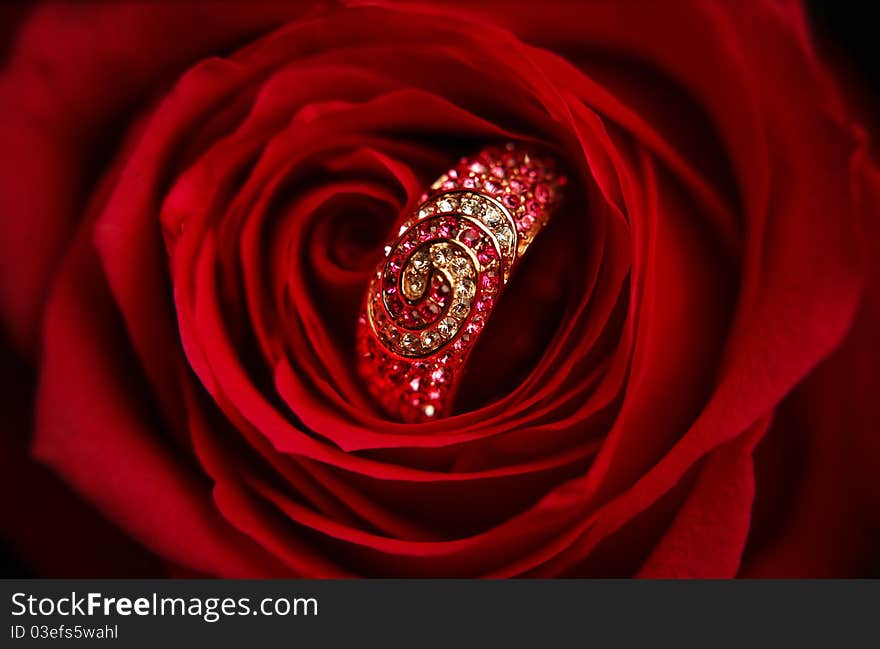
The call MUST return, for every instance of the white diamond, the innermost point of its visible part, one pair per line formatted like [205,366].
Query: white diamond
[460,309]
[461,267]
[415,285]
[420,261]
[465,288]
[429,410]
[493,217]
[447,327]
[410,341]
[439,254]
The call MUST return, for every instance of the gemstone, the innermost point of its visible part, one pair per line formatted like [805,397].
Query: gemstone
[503,237]
[525,222]
[447,327]
[469,236]
[542,193]
[493,217]
[414,384]
[460,308]
[446,205]
[439,289]
[438,375]
[440,254]
[429,338]
[427,229]
[420,261]
[478,167]
[465,288]
[395,370]
[487,255]
[391,332]
[461,267]
[511,201]
[429,410]
[410,342]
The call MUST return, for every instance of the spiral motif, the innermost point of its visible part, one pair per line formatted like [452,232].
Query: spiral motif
[443,273]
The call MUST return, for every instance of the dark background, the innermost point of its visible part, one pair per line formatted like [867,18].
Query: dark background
[846,33]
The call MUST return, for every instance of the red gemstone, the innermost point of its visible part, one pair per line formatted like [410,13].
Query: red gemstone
[525,222]
[469,237]
[511,201]
[487,255]
[394,370]
[542,193]
[439,288]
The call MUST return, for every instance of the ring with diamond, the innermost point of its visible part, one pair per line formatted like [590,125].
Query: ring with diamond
[443,272]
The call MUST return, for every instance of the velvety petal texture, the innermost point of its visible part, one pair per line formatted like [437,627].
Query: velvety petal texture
[679,381]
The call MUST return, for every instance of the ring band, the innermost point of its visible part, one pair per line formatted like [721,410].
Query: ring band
[443,272]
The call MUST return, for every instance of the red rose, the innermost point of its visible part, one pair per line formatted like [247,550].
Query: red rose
[681,380]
